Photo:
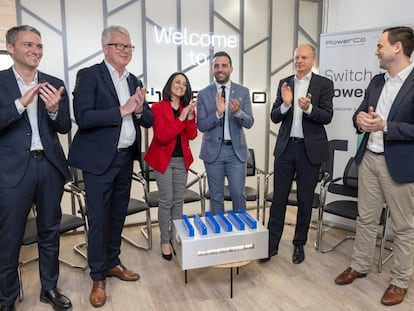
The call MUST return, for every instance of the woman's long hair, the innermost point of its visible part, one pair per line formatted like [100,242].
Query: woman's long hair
[166,91]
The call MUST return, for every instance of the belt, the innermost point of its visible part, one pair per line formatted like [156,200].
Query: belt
[227,142]
[296,139]
[37,154]
[123,149]
[376,153]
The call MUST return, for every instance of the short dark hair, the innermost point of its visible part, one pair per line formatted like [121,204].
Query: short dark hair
[404,35]
[222,53]
[166,91]
[11,34]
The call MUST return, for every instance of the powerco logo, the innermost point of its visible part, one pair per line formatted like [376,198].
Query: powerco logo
[345,42]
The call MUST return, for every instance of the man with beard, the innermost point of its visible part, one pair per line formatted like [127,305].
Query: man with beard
[223,110]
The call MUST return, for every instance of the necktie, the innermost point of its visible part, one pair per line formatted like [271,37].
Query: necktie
[223,94]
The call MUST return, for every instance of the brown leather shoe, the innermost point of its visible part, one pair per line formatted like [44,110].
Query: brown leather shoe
[393,295]
[97,297]
[348,276]
[123,273]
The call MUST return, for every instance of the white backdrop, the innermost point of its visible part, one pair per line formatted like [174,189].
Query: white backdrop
[348,60]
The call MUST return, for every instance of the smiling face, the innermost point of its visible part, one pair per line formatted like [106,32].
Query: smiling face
[178,87]
[26,51]
[118,59]
[384,52]
[304,60]
[222,69]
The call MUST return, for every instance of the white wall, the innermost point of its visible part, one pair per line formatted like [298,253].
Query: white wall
[346,15]
[354,15]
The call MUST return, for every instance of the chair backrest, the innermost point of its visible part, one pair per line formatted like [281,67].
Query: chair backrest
[251,163]
[350,177]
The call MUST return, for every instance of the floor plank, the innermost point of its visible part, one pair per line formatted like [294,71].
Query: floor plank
[276,285]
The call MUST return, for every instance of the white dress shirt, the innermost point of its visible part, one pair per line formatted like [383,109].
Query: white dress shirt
[300,90]
[128,132]
[31,110]
[390,90]
[226,135]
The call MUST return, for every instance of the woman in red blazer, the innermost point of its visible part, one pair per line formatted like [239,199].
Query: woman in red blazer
[169,153]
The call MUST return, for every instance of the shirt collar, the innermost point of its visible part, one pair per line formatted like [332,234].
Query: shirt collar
[305,78]
[114,73]
[218,85]
[20,79]
[402,75]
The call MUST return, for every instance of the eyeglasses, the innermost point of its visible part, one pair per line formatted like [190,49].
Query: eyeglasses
[120,47]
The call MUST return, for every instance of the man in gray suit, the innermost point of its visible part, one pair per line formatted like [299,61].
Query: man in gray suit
[223,110]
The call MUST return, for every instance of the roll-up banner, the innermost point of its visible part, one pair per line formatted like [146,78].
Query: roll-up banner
[348,59]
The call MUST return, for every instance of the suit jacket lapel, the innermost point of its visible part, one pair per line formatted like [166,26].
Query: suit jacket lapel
[14,89]
[407,85]
[106,76]
[131,85]
[41,108]
[377,92]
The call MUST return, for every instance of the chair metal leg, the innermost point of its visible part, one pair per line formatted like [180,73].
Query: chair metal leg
[146,232]
[21,293]
[382,247]
[320,232]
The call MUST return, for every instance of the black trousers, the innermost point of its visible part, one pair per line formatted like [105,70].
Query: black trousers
[42,184]
[293,161]
[107,198]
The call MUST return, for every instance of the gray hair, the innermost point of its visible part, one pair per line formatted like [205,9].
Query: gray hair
[107,32]
[11,34]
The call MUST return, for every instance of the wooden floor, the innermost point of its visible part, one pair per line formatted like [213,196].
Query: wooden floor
[276,285]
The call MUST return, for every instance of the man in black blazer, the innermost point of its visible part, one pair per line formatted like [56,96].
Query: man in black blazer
[303,106]
[34,108]
[386,172]
[109,107]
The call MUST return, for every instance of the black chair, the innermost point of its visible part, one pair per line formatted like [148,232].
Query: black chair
[292,199]
[135,206]
[346,207]
[68,224]
[252,193]
[190,195]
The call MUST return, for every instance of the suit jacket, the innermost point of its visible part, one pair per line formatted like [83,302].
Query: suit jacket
[16,133]
[166,129]
[96,109]
[212,127]
[399,139]
[315,138]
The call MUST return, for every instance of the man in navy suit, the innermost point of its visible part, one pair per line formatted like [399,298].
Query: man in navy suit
[303,106]
[223,111]
[110,108]
[34,108]
[386,173]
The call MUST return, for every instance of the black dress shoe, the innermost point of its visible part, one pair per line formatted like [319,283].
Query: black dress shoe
[7,308]
[167,256]
[56,299]
[298,254]
[271,254]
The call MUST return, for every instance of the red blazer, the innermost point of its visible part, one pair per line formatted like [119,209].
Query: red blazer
[166,128]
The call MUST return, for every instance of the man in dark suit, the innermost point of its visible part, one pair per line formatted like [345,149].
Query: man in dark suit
[109,106]
[386,173]
[224,109]
[34,108]
[303,106]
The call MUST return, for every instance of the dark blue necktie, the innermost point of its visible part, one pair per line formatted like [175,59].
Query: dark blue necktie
[223,94]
